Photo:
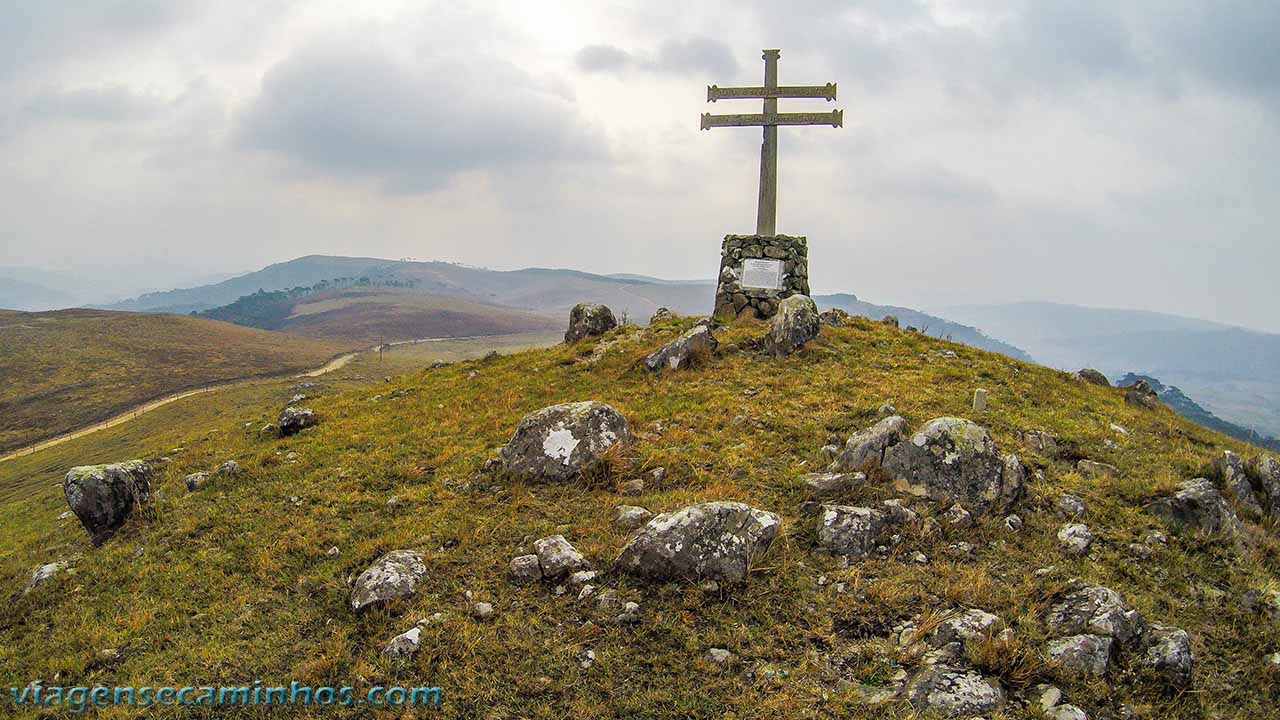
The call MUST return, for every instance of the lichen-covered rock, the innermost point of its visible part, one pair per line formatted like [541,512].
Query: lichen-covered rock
[659,315]
[1168,653]
[405,644]
[563,442]
[558,558]
[195,481]
[1196,505]
[795,324]
[850,531]
[866,448]
[1069,505]
[1086,655]
[1093,377]
[589,319]
[104,496]
[525,569]
[1075,538]
[828,484]
[1252,501]
[1092,469]
[1141,394]
[834,317]
[294,420]
[43,574]
[394,575]
[1095,610]
[971,625]
[689,350]
[1267,471]
[709,541]
[952,460]
[1065,712]
[953,692]
[230,468]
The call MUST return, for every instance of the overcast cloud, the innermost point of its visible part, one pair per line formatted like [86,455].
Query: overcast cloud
[1101,153]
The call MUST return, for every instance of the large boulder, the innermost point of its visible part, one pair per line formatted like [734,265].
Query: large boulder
[952,460]
[865,448]
[795,324]
[709,541]
[1081,655]
[589,319]
[1196,505]
[689,350]
[392,576]
[294,420]
[564,442]
[1093,377]
[104,496]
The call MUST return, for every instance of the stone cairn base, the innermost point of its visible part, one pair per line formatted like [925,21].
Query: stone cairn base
[733,301]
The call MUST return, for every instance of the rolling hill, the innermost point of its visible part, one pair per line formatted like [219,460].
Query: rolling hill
[373,315]
[1231,371]
[64,369]
[238,580]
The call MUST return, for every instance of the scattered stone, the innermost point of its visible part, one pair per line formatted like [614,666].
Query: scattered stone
[588,320]
[1196,506]
[1118,430]
[659,315]
[954,460]
[630,517]
[42,575]
[482,611]
[405,644]
[834,317]
[1075,538]
[828,484]
[633,487]
[195,481]
[1085,655]
[66,515]
[558,558]
[691,349]
[394,575]
[1044,697]
[294,420]
[333,552]
[1093,377]
[525,569]
[890,320]
[851,532]
[393,500]
[582,577]
[564,442]
[1267,471]
[959,518]
[586,659]
[708,541]
[1168,653]
[1141,394]
[658,475]
[630,614]
[1093,470]
[920,558]
[1065,712]
[970,625]
[104,496]
[795,324]
[953,692]
[719,656]
[979,400]
[866,448]
[1013,523]
[886,409]
[1070,506]
[1273,664]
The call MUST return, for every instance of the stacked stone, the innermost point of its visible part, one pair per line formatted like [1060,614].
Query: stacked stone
[735,301]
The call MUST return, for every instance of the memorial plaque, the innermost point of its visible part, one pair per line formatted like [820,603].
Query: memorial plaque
[762,273]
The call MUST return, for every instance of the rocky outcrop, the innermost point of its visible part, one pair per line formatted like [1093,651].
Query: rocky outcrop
[1266,469]
[865,448]
[795,324]
[1167,652]
[294,420]
[1141,394]
[392,576]
[709,541]
[659,315]
[562,443]
[691,349]
[104,496]
[1093,377]
[952,460]
[834,317]
[1196,505]
[953,692]
[1252,502]
[588,320]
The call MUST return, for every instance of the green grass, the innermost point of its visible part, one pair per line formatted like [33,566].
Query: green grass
[231,584]
[66,369]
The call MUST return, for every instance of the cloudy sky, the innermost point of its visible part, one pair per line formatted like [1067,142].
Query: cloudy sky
[1101,153]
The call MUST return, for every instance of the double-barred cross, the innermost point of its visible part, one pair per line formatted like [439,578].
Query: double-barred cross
[767,211]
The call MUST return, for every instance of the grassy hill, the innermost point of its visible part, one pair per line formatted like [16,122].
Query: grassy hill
[371,315]
[65,369]
[232,583]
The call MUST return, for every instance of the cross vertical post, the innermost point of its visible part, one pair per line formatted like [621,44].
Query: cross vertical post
[767,210]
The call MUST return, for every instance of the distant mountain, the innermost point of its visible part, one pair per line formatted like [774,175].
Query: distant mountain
[1233,372]
[19,294]
[928,324]
[1186,407]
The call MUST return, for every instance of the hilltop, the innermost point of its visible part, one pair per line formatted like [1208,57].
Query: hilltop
[237,581]
[65,369]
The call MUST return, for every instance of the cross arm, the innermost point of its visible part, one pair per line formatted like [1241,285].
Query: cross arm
[825,92]
[835,118]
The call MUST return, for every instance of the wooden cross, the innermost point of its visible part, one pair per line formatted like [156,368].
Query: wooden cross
[767,211]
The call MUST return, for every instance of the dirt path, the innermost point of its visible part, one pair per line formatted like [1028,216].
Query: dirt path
[124,417]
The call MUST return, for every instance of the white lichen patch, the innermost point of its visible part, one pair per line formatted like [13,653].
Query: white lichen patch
[559,444]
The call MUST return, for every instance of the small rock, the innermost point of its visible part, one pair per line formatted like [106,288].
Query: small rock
[708,541]
[953,692]
[1084,655]
[333,552]
[405,644]
[630,517]
[195,481]
[1093,377]
[586,592]
[558,558]
[1093,470]
[630,614]
[66,515]
[586,659]
[979,400]
[394,575]
[104,496]
[1196,505]
[482,611]
[1070,506]
[920,558]
[1044,697]
[957,517]
[866,448]
[525,569]
[886,409]
[1168,653]
[828,484]
[692,349]
[719,656]
[1065,712]
[633,487]
[1273,664]
[393,500]
[43,574]
[659,315]
[294,420]
[589,320]
[1075,538]
[1013,523]
[794,325]
[565,442]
